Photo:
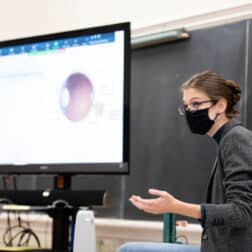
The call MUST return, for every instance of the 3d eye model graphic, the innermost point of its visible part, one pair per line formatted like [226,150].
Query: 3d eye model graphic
[76,97]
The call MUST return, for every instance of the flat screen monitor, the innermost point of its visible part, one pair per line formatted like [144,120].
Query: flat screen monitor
[64,102]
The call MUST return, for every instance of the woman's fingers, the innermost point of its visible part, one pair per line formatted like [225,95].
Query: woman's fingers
[144,204]
[137,202]
[141,204]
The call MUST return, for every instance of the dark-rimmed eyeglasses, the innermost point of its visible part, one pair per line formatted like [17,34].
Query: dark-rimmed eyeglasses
[194,106]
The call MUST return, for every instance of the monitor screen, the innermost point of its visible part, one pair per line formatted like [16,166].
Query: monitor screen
[65,102]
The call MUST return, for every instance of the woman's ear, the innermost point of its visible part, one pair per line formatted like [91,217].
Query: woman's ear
[222,105]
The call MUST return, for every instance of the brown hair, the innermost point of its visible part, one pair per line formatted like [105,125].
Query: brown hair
[216,87]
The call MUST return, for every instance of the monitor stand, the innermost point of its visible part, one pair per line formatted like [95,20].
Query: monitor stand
[61,215]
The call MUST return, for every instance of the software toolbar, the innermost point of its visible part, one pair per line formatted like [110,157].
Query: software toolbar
[57,44]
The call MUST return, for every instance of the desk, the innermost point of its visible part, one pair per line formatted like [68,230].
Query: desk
[112,229]
[134,230]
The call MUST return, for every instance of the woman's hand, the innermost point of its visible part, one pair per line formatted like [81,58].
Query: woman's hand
[164,203]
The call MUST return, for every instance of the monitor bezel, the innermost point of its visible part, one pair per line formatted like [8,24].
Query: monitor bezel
[82,168]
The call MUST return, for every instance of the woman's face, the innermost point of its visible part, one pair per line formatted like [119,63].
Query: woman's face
[195,99]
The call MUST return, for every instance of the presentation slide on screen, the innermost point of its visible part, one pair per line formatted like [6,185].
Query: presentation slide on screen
[62,101]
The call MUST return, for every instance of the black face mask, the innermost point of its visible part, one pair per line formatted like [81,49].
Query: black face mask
[199,121]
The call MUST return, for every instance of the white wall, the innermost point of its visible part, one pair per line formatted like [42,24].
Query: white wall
[19,18]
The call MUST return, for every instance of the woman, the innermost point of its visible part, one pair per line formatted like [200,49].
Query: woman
[209,108]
